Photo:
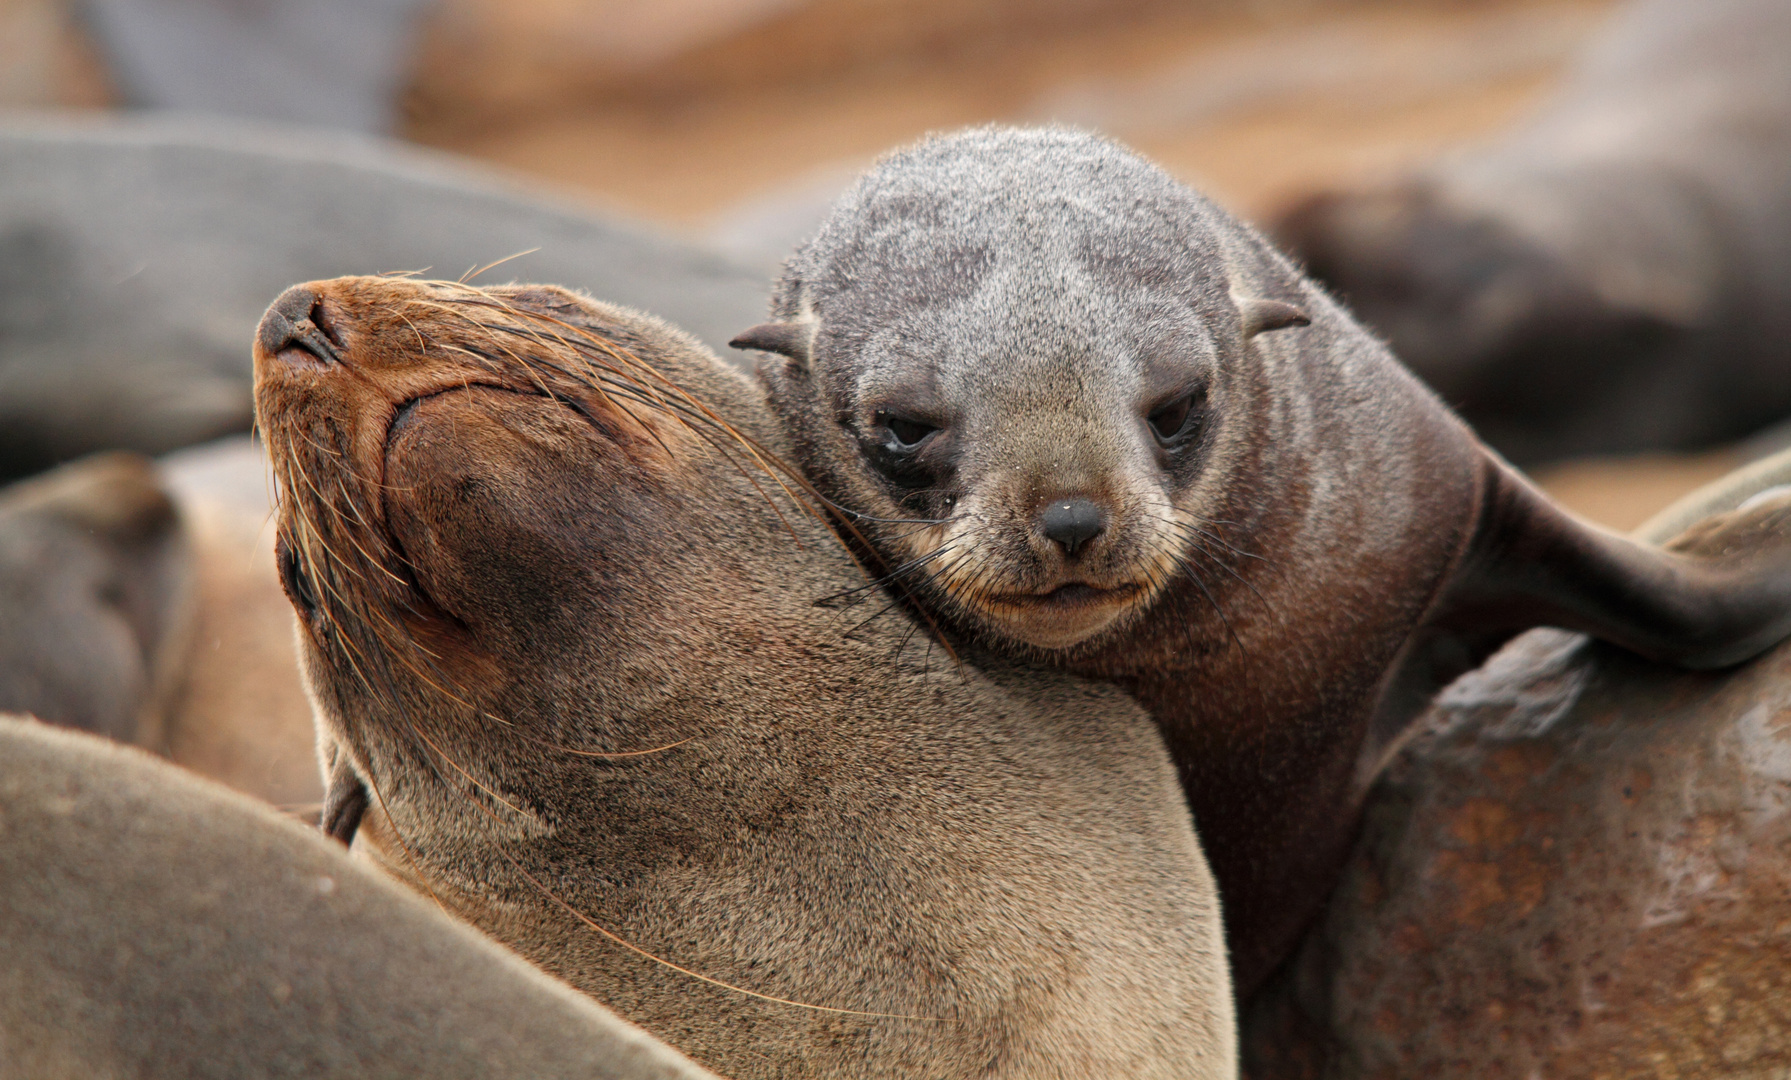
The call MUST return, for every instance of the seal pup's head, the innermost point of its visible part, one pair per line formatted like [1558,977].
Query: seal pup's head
[559,618]
[1017,360]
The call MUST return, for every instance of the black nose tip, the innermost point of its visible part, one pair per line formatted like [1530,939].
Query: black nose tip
[1072,522]
[295,321]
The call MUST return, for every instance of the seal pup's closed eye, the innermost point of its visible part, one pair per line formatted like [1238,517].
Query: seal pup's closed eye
[1085,416]
[557,608]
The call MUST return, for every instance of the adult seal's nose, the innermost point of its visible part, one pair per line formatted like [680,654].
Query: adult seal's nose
[293,322]
[1072,523]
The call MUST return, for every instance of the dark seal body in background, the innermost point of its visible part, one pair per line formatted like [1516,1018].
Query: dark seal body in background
[1085,416]
[136,256]
[559,619]
[1616,274]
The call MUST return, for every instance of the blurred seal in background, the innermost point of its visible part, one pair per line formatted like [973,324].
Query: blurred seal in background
[142,603]
[1616,275]
[328,63]
[136,257]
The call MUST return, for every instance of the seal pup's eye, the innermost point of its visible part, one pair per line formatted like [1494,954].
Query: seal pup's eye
[1177,418]
[906,433]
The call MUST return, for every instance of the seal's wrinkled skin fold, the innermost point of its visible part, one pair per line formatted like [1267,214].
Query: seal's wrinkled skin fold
[1084,416]
[560,622]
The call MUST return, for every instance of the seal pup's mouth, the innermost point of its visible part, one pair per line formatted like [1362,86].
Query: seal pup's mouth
[1074,595]
[1062,615]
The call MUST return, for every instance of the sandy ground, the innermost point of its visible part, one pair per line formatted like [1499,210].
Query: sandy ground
[1251,108]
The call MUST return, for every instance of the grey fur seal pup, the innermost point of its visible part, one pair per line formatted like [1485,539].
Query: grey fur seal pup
[1083,415]
[559,618]
[155,925]
[1614,275]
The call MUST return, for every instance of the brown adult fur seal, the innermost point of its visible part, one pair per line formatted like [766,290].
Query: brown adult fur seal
[1085,416]
[156,925]
[562,632]
[1613,275]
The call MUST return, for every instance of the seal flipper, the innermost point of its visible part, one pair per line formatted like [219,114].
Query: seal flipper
[1717,595]
[1531,564]
[343,803]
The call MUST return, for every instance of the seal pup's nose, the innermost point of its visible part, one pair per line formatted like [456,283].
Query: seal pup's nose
[1072,522]
[295,321]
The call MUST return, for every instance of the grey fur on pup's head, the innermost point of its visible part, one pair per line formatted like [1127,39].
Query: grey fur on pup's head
[1008,222]
[1004,329]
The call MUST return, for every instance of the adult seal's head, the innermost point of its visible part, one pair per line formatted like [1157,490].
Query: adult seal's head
[1080,413]
[559,616]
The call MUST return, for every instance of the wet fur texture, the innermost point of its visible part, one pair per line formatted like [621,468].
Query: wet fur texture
[1614,275]
[1285,587]
[561,622]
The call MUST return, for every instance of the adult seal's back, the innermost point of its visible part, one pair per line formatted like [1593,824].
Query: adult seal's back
[1083,415]
[559,617]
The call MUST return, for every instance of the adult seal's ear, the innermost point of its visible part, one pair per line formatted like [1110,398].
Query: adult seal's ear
[783,338]
[1260,316]
[344,803]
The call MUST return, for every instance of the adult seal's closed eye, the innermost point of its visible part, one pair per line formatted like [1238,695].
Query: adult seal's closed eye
[1083,415]
[559,617]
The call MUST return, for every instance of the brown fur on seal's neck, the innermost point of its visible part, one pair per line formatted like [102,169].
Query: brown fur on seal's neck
[1085,416]
[562,630]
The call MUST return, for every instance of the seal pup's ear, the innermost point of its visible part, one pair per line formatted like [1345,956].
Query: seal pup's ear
[1260,316]
[789,339]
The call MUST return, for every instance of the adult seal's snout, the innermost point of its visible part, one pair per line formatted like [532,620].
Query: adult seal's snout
[295,321]
[1072,523]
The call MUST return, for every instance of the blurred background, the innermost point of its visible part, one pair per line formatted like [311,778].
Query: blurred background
[735,122]
[1572,216]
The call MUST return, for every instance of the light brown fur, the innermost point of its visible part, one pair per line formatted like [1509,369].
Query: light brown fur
[155,925]
[561,623]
